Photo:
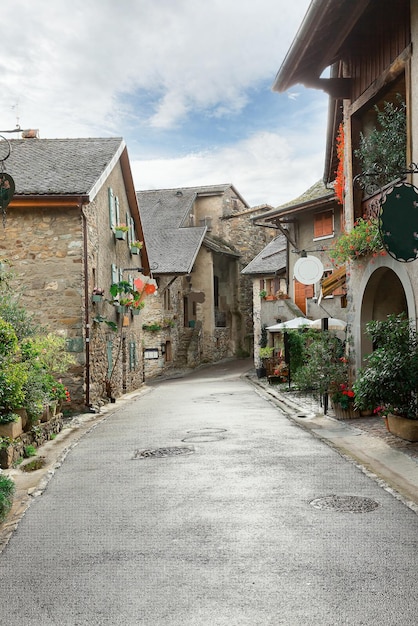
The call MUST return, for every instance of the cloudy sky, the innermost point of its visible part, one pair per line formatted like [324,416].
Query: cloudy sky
[186,83]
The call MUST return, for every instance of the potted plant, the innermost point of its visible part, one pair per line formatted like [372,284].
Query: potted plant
[120,231]
[382,152]
[136,246]
[263,294]
[389,378]
[97,295]
[343,402]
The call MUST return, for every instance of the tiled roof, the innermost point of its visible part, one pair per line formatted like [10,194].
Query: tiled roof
[316,194]
[61,166]
[270,260]
[172,246]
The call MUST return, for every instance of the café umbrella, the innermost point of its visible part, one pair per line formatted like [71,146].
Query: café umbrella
[333,324]
[293,324]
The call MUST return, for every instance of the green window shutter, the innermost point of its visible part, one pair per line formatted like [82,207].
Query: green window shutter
[115,274]
[128,223]
[132,236]
[120,273]
[109,351]
[112,208]
[117,210]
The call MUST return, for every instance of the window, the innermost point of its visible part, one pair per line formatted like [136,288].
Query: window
[167,299]
[324,224]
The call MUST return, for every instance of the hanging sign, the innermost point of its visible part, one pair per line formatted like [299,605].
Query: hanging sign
[398,222]
[7,189]
[308,270]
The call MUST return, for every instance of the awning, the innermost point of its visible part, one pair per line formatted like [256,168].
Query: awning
[332,282]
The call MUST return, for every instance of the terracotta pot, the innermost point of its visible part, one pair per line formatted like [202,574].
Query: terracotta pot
[403,427]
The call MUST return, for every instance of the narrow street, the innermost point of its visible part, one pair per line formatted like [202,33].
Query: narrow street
[200,503]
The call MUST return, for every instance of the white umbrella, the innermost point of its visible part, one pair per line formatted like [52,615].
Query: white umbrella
[333,324]
[296,322]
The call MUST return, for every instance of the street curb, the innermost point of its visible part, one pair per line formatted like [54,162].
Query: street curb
[290,409]
[55,452]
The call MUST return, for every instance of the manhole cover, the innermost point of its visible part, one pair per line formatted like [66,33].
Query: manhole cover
[158,453]
[203,438]
[345,504]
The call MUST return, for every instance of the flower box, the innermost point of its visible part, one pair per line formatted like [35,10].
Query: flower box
[120,234]
[344,414]
[11,429]
[403,427]
[96,298]
[134,250]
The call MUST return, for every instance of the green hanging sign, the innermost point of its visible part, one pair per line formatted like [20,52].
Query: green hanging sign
[398,222]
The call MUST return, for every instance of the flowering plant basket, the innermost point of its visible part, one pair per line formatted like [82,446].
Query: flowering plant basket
[363,239]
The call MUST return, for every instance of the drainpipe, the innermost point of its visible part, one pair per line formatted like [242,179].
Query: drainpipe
[86,309]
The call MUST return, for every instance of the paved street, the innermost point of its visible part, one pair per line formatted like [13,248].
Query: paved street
[200,503]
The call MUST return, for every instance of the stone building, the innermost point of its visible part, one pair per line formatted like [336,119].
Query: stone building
[370,50]
[60,240]
[198,240]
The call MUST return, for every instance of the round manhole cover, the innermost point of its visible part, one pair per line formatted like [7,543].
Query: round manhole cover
[345,504]
[203,438]
[159,453]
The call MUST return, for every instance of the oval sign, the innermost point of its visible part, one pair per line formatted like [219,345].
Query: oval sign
[308,270]
[399,222]
[7,189]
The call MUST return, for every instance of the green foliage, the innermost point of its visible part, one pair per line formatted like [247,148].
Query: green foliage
[154,327]
[296,342]
[8,339]
[364,238]
[8,418]
[263,339]
[30,451]
[390,377]
[266,352]
[7,488]
[384,149]
[22,322]
[13,377]
[325,367]
[49,353]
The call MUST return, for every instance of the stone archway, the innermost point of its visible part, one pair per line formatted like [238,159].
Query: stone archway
[385,288]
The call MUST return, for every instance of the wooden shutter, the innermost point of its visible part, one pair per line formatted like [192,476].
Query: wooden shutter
[112,211]
[323,224]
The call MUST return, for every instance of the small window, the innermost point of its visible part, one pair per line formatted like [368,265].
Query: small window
[324,224]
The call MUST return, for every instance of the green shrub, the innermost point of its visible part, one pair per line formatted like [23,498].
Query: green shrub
[8,339]
[7,488]
[30,451]
[7,418]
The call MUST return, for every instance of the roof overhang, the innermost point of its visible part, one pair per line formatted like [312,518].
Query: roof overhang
[317,46]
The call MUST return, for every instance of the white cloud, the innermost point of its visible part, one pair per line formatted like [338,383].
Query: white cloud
[69,64]
[265,168]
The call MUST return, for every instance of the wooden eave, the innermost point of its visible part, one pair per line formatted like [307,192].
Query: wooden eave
[309,205]
[133,205]
[317,45]
[56,201]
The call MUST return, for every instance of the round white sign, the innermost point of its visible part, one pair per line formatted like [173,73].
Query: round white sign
[308,270]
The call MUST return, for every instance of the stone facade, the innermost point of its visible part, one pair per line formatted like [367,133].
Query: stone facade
[60,247]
